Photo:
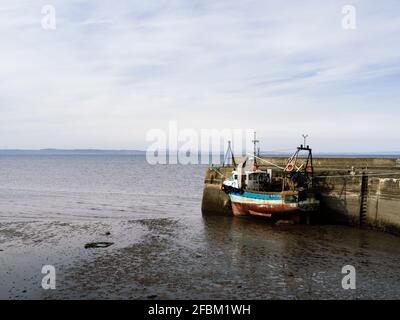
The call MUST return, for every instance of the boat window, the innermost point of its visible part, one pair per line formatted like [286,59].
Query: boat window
[235,176]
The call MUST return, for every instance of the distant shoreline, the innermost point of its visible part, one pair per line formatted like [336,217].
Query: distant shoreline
[70,152]
[143,153]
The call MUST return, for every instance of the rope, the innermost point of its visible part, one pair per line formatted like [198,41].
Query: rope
[217,171]
[277,150]
[359,175]
[319,177]
[271,163]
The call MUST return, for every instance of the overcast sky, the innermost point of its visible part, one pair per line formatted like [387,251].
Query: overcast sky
[112,70]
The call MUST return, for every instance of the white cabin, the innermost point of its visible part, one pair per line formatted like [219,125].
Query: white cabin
[249,179]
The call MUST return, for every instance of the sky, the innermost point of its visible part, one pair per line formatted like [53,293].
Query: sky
[113,70]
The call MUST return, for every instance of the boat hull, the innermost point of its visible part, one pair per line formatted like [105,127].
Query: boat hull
[268,205]
[241,209]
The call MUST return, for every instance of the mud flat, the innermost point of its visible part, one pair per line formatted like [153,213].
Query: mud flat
[196,257]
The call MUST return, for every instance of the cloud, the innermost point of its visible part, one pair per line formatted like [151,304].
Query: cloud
[113,70]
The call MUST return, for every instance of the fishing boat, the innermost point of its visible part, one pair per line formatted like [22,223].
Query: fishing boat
[257,192]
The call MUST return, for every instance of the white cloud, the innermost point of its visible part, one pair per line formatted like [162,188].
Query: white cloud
[113,70]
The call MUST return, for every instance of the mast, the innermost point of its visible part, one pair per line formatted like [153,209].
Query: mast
[255,141]
[300,175]
[229,152]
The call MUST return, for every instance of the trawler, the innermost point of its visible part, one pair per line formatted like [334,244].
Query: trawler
[257,192]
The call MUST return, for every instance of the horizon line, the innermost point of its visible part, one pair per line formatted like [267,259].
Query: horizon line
[100,150]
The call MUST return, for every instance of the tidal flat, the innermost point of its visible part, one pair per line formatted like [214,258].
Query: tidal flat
[160,244]
[197,258]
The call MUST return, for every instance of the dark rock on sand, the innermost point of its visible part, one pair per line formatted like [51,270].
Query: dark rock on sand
[98,245]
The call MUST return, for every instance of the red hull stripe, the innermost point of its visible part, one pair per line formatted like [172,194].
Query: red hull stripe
[265,210]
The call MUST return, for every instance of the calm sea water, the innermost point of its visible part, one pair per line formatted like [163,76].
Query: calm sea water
[51,205]
[92,187]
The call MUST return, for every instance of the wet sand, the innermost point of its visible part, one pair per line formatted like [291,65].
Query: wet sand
[195,257]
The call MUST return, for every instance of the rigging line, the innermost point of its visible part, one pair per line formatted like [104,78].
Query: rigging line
[358,175]
[288,149]
[217,171]
[271,163]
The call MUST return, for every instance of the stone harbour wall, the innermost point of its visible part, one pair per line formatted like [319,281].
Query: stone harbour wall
[342,195]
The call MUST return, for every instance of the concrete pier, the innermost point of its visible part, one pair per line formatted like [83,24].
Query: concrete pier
[347,195]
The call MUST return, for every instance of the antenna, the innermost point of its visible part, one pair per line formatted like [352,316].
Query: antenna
[255,141]
[305,136]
